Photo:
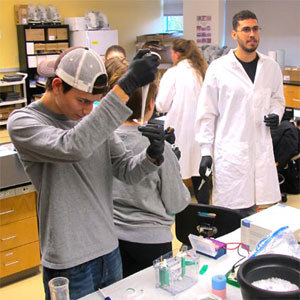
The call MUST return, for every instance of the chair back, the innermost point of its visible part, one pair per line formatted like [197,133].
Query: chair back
[206,220]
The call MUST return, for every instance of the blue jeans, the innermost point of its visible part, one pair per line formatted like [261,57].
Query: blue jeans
[88,277]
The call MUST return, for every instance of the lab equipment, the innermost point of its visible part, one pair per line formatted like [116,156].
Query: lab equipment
[271,120]
[205,220]
[258,226]
[207,246]
[59,288]
[156,135]
[102,295]
[207,173]
[266,266]
[176,273]
[231,277]
[97,40]
[205,166]
[219,286]
[96,20]
[145,90]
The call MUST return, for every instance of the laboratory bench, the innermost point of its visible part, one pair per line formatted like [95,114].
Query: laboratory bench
[142,285]
[19,241]
[292,94]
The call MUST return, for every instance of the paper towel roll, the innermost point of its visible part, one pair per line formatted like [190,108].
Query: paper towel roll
[272,54]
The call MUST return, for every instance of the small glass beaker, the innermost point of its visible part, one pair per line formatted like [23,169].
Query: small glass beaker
[59,288]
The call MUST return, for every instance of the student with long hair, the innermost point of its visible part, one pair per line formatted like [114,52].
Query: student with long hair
[143,212]
[178,95]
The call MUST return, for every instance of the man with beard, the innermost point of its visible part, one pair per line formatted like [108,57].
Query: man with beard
[240,101]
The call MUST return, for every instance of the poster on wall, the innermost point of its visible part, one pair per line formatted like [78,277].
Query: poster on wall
[203,30]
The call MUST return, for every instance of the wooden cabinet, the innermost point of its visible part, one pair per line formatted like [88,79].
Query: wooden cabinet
[19,242]
[292,95]
[37,43]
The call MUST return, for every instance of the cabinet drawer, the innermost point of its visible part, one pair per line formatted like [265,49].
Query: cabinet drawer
[18,233]
[292,96]
[19,259]
[17,208]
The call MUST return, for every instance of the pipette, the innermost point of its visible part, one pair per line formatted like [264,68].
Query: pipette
[102,295]
[207,173]
[145,90]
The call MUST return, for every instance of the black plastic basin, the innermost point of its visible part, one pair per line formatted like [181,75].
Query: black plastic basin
[264,267]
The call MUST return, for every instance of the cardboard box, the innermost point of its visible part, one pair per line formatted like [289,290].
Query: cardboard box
[156,37]
[39,48]
[51,47]
[62,33]
[34,34]
[160,43]
[6,111]
[291,73]
[51,34]
[54,34]
[258,226]
[21,14]
[62,46]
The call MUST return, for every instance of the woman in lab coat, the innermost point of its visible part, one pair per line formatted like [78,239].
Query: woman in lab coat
[178,95]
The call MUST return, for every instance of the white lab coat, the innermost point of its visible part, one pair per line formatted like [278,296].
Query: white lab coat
[178,95]
[230,127]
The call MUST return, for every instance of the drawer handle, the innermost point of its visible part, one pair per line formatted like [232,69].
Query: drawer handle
[297,100]
[7,212]
[12,263]
[9,238]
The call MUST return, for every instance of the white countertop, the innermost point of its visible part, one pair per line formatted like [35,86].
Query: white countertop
[141,285]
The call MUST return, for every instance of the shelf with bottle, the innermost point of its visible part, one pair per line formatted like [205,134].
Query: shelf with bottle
[12,97]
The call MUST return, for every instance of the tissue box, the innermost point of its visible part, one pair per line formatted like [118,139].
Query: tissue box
[256,227]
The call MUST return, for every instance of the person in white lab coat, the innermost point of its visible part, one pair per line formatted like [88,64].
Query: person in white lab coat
[241,100]
[178,95]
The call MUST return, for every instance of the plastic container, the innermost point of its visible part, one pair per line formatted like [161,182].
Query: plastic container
[218,286]
[176,273]
[267,266]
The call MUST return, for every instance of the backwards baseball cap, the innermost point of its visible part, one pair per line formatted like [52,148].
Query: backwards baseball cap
[82,68]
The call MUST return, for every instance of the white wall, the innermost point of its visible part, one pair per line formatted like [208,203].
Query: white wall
[280,22]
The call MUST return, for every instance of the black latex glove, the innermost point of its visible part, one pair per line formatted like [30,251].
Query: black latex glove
[205,164]
[140,53]
[156,135]
[140,72]
[177,152]
[271,120]
[170,135]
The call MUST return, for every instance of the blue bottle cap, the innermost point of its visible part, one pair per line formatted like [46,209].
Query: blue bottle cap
[219,282]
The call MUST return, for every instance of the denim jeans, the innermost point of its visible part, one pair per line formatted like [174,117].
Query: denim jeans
[88,277]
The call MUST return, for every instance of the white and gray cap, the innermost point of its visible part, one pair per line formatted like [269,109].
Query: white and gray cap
[79,67]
